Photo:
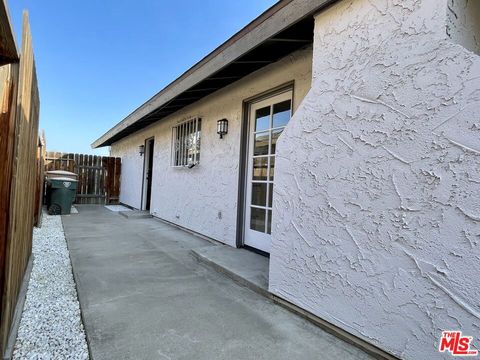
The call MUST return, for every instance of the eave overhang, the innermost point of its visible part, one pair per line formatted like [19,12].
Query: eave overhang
[285,27]
[8,46]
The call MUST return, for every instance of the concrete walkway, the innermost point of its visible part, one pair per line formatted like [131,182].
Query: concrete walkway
[144,296]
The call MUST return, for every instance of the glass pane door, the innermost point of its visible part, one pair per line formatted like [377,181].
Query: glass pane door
[268,118]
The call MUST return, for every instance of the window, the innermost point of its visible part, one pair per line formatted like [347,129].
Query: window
[186,143]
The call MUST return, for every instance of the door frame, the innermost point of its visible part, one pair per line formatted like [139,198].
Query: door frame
[244,147]
[146,154]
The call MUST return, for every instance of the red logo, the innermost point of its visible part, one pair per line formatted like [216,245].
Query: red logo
[457,344]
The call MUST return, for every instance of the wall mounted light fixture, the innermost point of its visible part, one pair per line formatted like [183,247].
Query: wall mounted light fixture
[141,149]
[222,127]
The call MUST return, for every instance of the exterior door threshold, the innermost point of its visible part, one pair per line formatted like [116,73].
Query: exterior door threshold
[244,267]
[136,214]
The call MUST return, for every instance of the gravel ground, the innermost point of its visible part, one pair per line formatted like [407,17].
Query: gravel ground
[51,327]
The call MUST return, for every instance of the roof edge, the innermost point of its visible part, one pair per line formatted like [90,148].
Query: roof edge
[275,19]
[8,48]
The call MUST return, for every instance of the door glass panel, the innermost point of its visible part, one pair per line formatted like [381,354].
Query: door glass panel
[270,194]
[275,136]
[260,166]
[262,119]
[281,113]
[261,144]
[267,124]
[269,222]
[272,168]
[257,219]
[259,194]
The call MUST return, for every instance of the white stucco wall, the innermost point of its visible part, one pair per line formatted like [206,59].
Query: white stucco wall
[132,170]
[193,198]
[377,197]
[463,23]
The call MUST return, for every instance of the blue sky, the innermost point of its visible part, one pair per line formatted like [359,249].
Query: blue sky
[98,60]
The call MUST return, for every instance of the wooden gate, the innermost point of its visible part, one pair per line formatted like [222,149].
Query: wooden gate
[98,176]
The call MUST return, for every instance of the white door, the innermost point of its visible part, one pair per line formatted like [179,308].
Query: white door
[267,119]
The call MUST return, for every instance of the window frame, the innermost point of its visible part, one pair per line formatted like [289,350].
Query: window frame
[183,153]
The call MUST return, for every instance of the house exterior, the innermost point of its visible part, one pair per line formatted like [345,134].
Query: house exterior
[352,157]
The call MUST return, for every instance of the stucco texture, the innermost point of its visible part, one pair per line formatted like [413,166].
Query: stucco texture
[377,198]
[204,198]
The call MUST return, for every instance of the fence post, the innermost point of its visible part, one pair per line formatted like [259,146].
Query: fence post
[40,180]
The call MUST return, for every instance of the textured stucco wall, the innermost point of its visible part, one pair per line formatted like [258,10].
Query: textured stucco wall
[204,199]
[132,170]
[463,23]
[377,198]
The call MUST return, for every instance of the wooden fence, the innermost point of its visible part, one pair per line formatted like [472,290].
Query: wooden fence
[98,176]
[41,153]
[19,113]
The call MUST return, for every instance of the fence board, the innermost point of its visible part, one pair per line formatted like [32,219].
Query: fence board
[105,176]
[98,176]
[91,175]
[110,178]
[71,163]
[81,178]
[8,98]
[116,187]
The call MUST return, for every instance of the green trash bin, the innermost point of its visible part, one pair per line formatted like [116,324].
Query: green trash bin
[61,192]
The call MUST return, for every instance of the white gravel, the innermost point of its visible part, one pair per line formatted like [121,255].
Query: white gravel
[51,327]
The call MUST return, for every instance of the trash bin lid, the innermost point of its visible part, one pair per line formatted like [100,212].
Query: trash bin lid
[61,173]
[63,179]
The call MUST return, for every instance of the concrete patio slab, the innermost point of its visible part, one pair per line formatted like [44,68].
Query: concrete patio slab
[143,296]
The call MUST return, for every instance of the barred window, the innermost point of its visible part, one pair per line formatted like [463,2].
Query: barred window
[186,143]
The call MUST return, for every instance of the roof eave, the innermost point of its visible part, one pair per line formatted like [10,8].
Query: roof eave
[277,18]
[8,45]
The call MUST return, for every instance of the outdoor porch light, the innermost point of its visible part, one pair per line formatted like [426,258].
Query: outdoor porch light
[141,149]
[222,127]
